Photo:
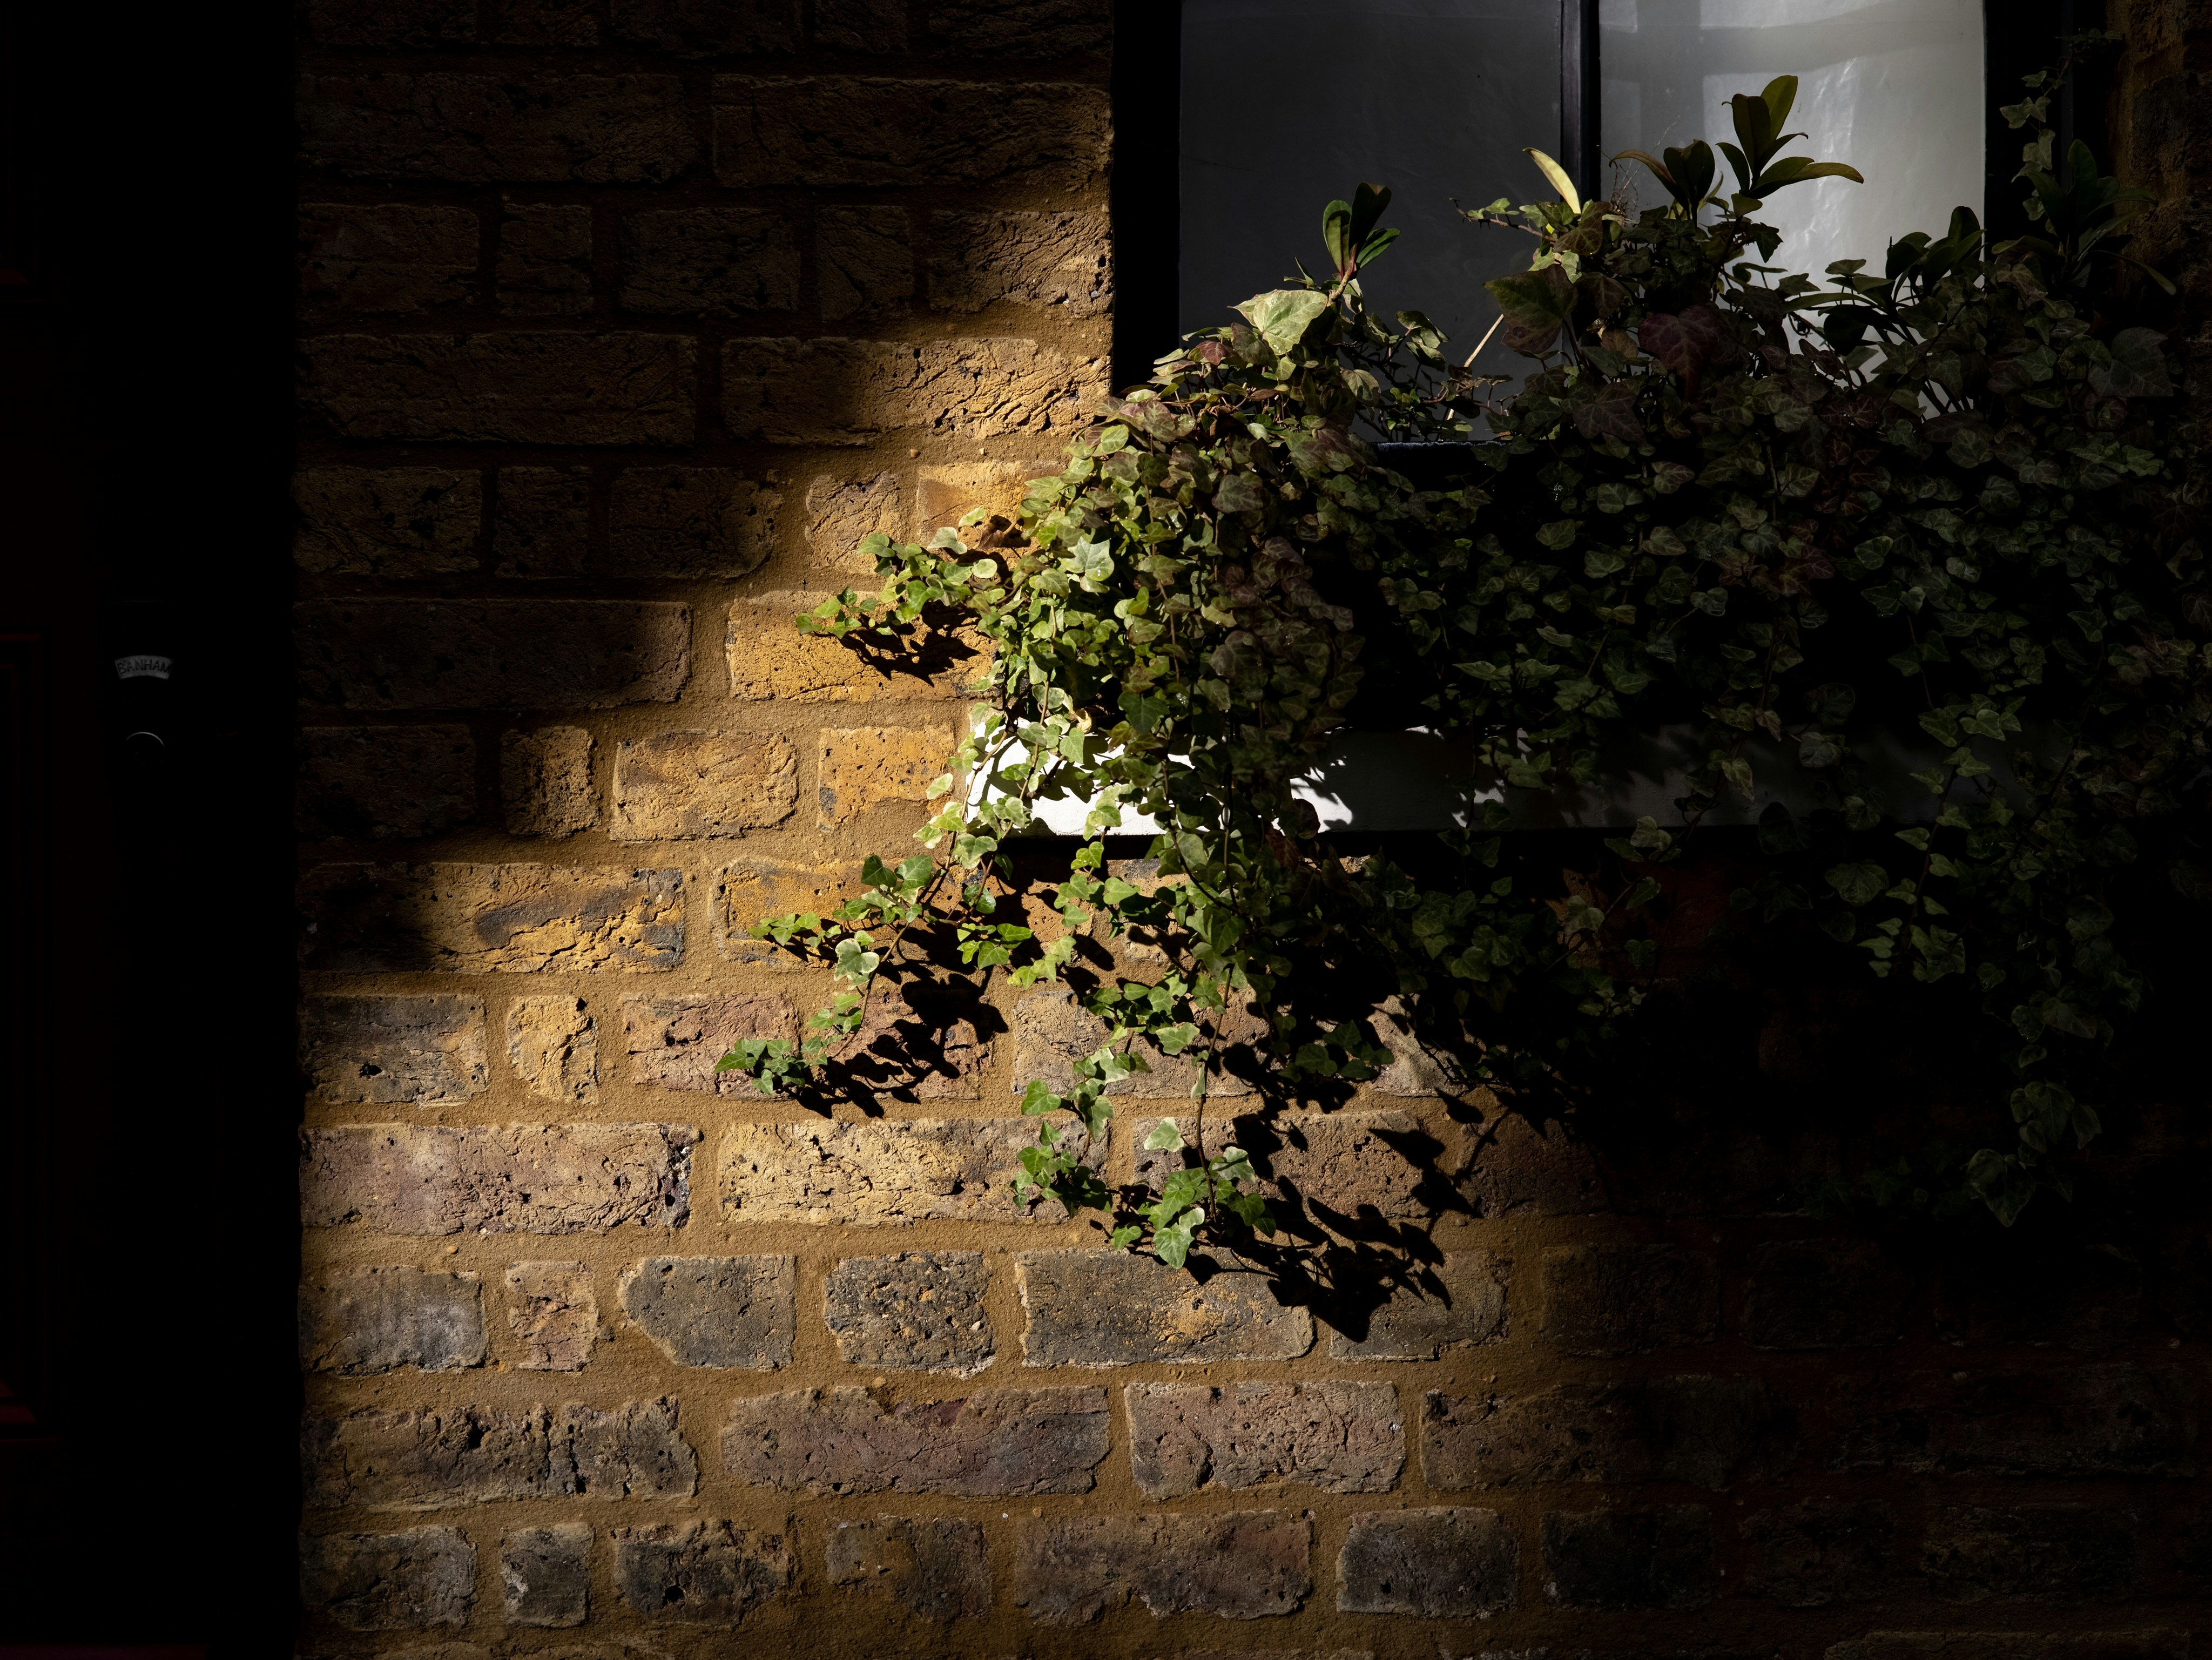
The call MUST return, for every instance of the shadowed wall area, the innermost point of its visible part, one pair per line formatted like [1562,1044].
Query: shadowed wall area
[621,322]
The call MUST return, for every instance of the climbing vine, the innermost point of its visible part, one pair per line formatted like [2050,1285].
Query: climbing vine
[1947,505]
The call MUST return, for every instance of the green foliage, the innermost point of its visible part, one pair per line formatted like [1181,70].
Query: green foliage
[1952,502]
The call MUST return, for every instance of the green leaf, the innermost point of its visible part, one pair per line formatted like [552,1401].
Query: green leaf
[1284,316]
[1536,304]
[2137,368]
[1164,1137]
[1556,176]
[1858,884]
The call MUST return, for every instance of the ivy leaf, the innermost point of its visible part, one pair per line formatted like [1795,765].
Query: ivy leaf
[1859,884]
[1686,341]
[1284,316]
[1536,305]
[2137,368]
[1165,1137]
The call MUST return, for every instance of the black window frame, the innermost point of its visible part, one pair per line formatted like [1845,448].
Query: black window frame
[1145,201]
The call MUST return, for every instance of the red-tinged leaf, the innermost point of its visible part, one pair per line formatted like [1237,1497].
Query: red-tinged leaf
[1685,342]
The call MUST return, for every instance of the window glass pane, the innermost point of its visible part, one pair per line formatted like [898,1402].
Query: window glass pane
[1891,87]
[1287,103]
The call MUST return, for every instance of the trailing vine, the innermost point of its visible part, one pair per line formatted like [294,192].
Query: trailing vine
[1951,504]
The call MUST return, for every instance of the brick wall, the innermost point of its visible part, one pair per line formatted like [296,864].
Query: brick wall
[622,321]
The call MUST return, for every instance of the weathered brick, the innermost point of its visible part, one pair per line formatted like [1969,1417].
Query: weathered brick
[2044,1295]
[1822,1551]
[1823,1294]
[1458,1301]
[771,661]
[390,23]
[389,1581]
[1062,262]
[545,260]
[381,1459]
[723,1311]
[863,26]
[914,1045]
[708,28]
[2113,1419]
[946,492]
[1339,1163]
[864,768]
[937,1568]
[428,1180]
[391,257]
[684,785]
[700,1573]
[543,23]
[1430,1564]
[1235,1564]
[384,782]
[1052,1030]
[1627,1300]
[541,528]
[915,1311]
[487,129]
[1706,1432]
[416,1050]
[1014,1442]
[2031,1553]
[709,262]
[546,1574]
[1101,1308]
[372,1320]
[553,1044]
[524,387]
[546,782]
[2154,1643]
[1336,1436]
[748,890]
[491,654]
[553,1313]
[840,511]
[890,1173]
[865,259]
[673,1042]
[1510,1162]
[856,392]
[690,521]
[1618,1560]
[933,133]
[490,919]
[1024,29]
[386,521]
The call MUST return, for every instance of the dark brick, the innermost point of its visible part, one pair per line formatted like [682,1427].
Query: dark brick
[496,919]
[2113,1419]
[715,1310]
[493,130]
[862,25]
[1343,1163]
[547,1577]
[932,133]
[543,23]
[1449,1304]
[390,1050]
[1823,1294]
[1627,1300]
[708,28]
[1001,1442]
[386,521]
[1062,262]
[391,22]
[2071,1296]
[690,521]
[382,1459]
[432,1180]
[384,782]
[1510,1163]
[554,1314]
[853,391]
[700,1573]
[2153,1644]
[524,387]
[1823,1551]
[1024,29]
[541,528]
[1430,1564]
[713,262]
[1706,1432]
[1102,1308]
[673,1042]
[491,654]
[936,1568]
[916,1311]
[372,1320]
[867,261]
[1339,1437]
[387,257]
[545,260]
[389,1581]
[546,782]
[1618,1560]
[1235,1564]
[2030,1553]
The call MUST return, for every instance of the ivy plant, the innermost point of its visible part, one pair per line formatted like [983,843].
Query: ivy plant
[1950,499]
